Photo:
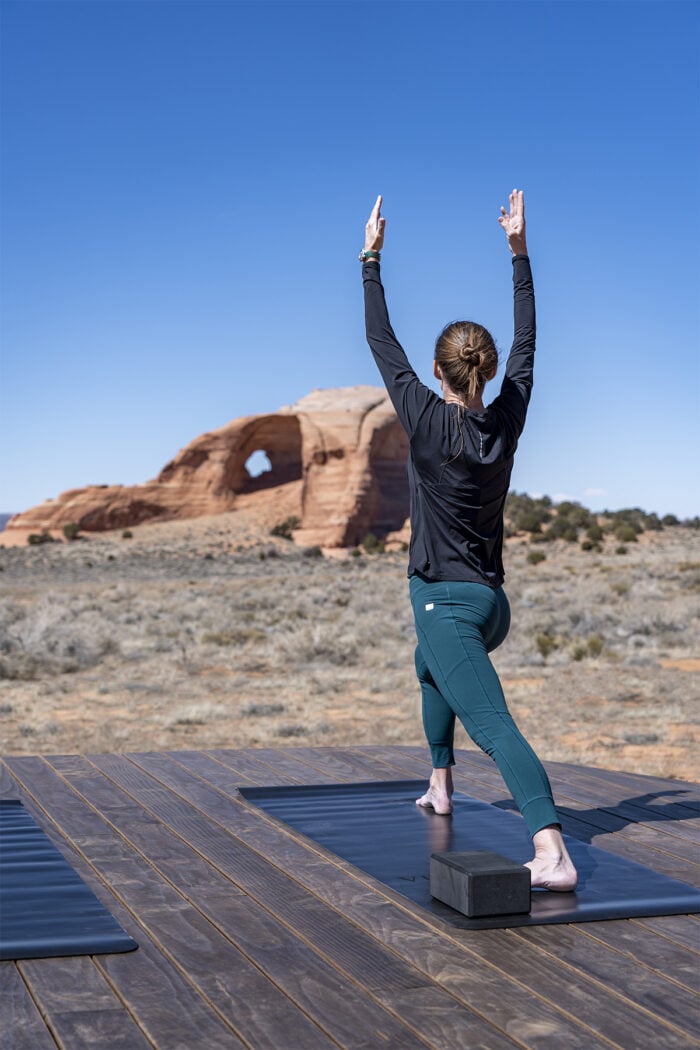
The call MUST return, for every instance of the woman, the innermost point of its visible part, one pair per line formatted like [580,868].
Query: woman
[460,461]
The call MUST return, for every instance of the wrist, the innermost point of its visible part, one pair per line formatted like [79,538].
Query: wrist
[518,247]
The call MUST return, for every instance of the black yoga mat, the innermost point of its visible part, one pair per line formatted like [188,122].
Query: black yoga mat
[45,907]
[379,829]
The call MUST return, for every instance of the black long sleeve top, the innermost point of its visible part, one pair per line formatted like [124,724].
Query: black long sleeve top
[460,461]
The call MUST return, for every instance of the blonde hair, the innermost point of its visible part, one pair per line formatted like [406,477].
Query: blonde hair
[467,356]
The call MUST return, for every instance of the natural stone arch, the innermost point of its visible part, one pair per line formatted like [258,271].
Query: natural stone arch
[279,437]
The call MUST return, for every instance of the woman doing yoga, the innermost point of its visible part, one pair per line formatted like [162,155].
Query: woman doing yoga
[460,461]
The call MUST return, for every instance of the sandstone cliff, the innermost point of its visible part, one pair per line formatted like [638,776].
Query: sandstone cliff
[340,454]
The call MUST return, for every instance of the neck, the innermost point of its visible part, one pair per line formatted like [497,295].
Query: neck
[450,398]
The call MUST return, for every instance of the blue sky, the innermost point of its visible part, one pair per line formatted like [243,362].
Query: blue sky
[185,187]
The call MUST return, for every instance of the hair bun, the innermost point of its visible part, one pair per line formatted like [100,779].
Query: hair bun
[470,356]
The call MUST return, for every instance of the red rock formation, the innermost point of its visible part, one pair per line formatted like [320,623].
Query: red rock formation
[344,450]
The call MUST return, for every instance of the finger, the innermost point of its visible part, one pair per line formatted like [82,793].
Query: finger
[374,215]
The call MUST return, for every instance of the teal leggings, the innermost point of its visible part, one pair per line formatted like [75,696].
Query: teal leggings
[458,624]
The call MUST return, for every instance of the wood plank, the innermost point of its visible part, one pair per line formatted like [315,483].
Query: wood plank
[358,955]
[246,763]
[21,1025]
[655,991]
[348,764]
[677,928]
[634,1019]
[79,1005]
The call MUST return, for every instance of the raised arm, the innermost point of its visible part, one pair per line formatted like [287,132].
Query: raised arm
[517,384]
[408,395]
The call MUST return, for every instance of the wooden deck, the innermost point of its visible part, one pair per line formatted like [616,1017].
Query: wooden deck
[250,936]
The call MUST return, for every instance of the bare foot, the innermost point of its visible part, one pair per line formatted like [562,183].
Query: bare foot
[440,802]
[439,794]
[552,867]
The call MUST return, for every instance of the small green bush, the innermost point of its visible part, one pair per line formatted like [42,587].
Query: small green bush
[127,534]
[626,534]
[71,530]
[285,528]
[589,545]
[595,533]
[546,643]
[595,645]
[621,549]
[535,557]
[372,544]
[35,538]
[621,587]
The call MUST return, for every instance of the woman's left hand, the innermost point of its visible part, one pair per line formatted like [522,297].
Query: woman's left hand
[374,230]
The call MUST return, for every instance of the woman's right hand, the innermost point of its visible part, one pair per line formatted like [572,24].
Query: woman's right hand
[513,223]
[374,230]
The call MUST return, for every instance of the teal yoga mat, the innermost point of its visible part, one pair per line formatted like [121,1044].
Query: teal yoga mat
[46,909]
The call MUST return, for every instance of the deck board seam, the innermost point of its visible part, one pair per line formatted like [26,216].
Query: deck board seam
[37,1004]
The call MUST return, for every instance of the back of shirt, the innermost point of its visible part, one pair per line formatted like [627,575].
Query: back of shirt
[460,461]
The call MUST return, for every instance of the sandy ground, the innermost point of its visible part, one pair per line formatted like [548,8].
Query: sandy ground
[210,633]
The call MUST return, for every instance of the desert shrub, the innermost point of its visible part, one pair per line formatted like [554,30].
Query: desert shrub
[372,544]
[35,538]
[626,533]
[285,528]
[546,643]
[535,557]
[235,636]
[262,710]
[594,532]
[589,545]
[595,644]
[525,514]
[312,552]
[621,587]
[574,514]
[71,530]
[295,730]
[669,521]
[127,534]
[562,529]
[635,517]
[621,549]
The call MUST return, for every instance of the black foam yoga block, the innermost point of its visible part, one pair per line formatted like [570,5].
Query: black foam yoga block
[480,882]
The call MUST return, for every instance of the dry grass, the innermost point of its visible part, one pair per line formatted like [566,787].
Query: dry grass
[193,635]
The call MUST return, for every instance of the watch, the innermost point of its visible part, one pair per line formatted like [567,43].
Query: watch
[367,253]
